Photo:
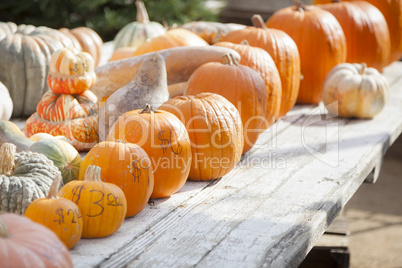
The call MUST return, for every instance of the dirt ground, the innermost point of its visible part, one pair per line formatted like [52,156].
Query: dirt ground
[374,216]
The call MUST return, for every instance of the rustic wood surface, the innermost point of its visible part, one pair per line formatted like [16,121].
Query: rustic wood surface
[271,209]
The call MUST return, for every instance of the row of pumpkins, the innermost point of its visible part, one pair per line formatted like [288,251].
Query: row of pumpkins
[216,87]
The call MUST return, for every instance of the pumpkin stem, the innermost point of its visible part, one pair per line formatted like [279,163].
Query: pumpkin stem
[142,14]
[54,188]
[258,21]
[229,59]
[93,173]
[3,229]
[7,157]
[363,69]
[147,109]
[300,6]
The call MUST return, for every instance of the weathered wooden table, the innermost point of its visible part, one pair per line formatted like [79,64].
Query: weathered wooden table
[271,209]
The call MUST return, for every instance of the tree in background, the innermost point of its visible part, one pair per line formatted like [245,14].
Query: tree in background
[106,17]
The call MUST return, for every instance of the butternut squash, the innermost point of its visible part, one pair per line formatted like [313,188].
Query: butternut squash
[148,86]
[180,62]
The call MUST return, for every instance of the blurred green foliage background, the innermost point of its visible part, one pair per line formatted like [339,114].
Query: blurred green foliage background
[106,17]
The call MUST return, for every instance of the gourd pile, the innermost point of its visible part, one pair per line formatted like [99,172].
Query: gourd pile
[171,104]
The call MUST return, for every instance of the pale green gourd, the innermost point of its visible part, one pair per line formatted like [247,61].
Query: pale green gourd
[136,33]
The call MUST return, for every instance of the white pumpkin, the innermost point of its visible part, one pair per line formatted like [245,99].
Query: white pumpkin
[359,91]
[6,104]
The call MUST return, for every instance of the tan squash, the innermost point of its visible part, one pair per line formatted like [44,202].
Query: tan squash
[148,86]
[180,63]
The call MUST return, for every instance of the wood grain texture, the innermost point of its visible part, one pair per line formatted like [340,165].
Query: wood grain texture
[271,209]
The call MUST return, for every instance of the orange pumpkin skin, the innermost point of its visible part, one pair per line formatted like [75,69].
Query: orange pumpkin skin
[72,116]
[321,43]
[173,38]
[215,130]
[60,215]
[70,72]
[103,205]
[259,60]
[283,51]
[366,32]
[165,139]
[126,165]
[392,11]
[27,243]
[240,85]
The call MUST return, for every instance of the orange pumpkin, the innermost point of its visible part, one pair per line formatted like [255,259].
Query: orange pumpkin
[165,139]
[240,85]
[24,243]
[173,38]
[215,130]
[259,60]
[321,43]
[283,51]
[103,205]
[72,116]
[60,215]
[366,32]
[126,165]
[70,72]
[392,11]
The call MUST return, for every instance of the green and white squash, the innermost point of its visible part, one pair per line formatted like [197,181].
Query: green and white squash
[24,177]
[138,32]
[64,156]
[6,104]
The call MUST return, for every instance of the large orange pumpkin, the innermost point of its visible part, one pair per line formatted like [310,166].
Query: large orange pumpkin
[366,32]
[72,116]
[239,84]
[103,205]
[259,60]
[215,130]
[283,51]
[173,38]
[25,243]
[165,139]
[392,11]
[126,165]
[321,43]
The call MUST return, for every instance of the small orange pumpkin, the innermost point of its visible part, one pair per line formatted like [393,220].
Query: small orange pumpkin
[128,166]
[215,130]
[70,72]
[240,85]
[103,205]
[165,139]
[60,215]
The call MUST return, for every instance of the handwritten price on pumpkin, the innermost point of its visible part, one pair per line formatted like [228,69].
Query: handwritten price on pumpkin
[111,199]
[75,215]
[167,142]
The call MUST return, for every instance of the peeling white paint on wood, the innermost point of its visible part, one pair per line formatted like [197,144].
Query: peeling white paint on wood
[266,215]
